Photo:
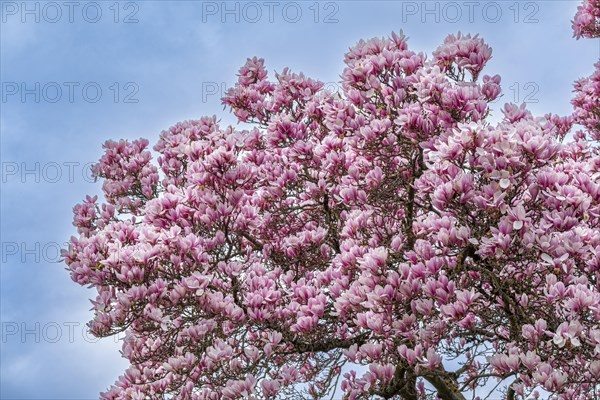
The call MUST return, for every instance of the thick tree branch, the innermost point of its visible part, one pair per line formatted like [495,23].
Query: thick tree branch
[446,388]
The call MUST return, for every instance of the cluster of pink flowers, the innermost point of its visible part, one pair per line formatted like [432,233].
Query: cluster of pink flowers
[463,52]
[356,241]
[587,107]
[587,19]
[587,90]
[129,177]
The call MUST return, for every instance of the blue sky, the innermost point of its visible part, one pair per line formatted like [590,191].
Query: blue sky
[136,68]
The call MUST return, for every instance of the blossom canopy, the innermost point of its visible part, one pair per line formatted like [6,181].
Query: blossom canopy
[382,241]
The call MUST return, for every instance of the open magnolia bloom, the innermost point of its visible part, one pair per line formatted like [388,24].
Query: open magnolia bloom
[385,241]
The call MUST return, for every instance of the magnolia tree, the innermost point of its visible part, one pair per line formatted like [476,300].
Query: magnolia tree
[385,241]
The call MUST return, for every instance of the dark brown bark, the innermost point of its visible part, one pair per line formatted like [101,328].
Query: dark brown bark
[446,388]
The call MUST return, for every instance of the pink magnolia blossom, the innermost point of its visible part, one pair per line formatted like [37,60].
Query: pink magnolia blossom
[587,20]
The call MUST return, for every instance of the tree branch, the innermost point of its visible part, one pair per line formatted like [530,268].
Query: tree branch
[446,388]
